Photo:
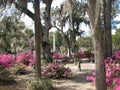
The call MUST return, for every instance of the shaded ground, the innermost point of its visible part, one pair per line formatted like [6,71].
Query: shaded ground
[20,81]
[78,80]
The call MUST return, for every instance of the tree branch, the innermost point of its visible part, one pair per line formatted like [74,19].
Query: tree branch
[25,10]
[58,28]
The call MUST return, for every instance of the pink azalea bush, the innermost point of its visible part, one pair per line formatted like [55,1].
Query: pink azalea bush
[6,60]
[55,70]
[83,54]
[78,54]
[117,54]
[15,64]
[112,65]
[117,86]
[66,58]
[26,58]
[57,55]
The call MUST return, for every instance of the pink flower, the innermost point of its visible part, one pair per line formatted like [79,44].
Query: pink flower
[90,78]
[112,65]
[94,73]
[117,54]
[117,87]
[57,55]
[117,80]
[26,58]
[6,60]
[55,70]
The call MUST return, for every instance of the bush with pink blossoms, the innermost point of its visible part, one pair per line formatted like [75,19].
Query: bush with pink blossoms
[83,54]
[79,54]
[117,54]
[57,55]
[26,58]
[112,65]
[6,60]
[117,82]
[55,70]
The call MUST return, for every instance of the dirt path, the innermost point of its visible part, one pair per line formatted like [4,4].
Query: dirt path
[78,80]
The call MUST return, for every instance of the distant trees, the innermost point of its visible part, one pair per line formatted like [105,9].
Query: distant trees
[13,37]
[44,28]
[116,40]
[59,40]
[85,43]
[69,15]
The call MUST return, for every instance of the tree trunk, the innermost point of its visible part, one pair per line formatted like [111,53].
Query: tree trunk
[107,27]
[94,12]
[45,29]
[67,41]
[37,39]
[99,58]
[46,46]
[66,37]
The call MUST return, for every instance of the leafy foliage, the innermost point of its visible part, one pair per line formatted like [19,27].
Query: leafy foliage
[39,84]
[85,42]
[5,76]
[12,36]
[18,69]
[58,39]
[116,40]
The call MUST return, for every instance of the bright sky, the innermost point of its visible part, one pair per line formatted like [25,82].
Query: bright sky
[118,18]
[30,23]
[57,2]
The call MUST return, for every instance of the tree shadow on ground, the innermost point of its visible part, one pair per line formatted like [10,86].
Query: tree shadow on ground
[81,76]
[72,87]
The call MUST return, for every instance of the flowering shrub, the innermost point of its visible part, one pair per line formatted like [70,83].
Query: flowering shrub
[112,66]
[78,54]
[84,54]
[57,55]
[117,86]
[55,70]
[117,54]
[26,58]
[6,60]
[66,58]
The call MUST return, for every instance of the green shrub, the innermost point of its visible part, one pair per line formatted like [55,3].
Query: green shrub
[5,76]
[39,84]
[18,69]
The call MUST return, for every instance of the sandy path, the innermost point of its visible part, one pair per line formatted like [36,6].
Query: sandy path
[78,80]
